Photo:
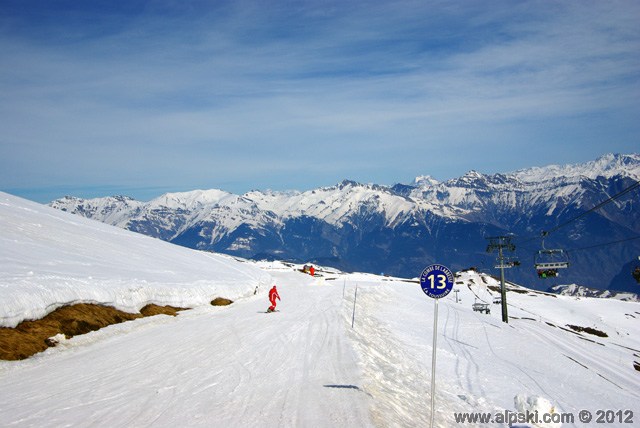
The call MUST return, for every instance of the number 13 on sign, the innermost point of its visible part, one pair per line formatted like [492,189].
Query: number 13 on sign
[437,281]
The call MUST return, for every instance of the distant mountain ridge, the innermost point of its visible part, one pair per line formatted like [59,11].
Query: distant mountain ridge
[579,291]
[400,229]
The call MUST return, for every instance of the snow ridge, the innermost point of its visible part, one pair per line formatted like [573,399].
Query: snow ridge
[50,258]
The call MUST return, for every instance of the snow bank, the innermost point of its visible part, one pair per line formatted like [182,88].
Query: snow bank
[49,258]
[536,405]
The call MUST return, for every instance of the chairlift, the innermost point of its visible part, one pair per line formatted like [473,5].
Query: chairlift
[481,307]
[547,262]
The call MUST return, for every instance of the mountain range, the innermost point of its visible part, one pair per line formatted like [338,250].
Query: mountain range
[400,229]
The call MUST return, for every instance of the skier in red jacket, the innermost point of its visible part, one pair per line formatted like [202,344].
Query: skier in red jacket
[273,294]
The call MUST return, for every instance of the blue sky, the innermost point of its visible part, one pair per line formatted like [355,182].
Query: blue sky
[146,97]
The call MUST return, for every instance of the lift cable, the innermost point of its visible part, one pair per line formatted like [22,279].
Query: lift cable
[597,207]
[603,245]
[579,216]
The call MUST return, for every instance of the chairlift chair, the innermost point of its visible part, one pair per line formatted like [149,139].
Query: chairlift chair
[547,262]
[481,307]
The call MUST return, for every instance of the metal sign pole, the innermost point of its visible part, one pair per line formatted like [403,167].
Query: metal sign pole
[433,362]
[436,282]
[355,297]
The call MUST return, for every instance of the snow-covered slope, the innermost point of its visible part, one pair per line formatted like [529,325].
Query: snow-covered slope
[307,366]
[483,364]
[50,258]
[343,350]
[233,366]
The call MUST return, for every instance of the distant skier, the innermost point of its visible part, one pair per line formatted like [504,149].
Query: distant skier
[273,295]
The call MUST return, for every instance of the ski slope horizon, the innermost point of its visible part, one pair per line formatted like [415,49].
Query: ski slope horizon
[302,366]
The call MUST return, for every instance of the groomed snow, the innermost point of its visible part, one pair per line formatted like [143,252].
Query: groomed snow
[234,366]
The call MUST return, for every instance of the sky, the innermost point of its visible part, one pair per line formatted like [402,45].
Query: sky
[145,97]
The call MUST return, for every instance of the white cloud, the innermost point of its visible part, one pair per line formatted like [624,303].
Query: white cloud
[215,87]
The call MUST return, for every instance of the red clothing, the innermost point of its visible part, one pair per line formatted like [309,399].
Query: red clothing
[273,295]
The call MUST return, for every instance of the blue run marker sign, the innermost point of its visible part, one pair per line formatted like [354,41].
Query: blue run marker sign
[436,281]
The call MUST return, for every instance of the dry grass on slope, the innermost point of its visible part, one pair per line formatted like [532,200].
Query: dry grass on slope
[31,337]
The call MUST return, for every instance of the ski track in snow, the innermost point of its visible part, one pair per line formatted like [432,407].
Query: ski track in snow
[467,370]
[231,366]
[305,366]
[482,363]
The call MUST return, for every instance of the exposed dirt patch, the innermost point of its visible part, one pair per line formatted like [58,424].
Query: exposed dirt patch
[30,337]
[498,289]
[221,301]
[589,330]
[152,309]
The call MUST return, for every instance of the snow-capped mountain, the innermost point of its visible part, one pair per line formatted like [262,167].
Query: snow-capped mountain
[580,291]
[399,229]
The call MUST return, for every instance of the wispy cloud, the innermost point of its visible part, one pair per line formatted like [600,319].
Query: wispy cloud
[159,93]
